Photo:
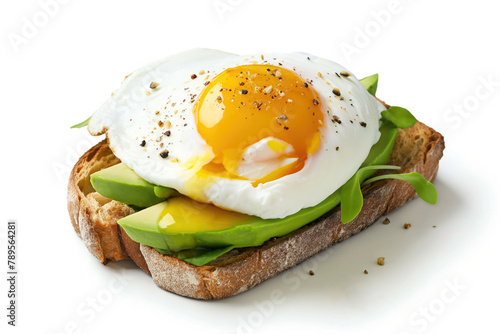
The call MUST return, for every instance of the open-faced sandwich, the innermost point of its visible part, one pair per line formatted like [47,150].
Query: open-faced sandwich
[220,171]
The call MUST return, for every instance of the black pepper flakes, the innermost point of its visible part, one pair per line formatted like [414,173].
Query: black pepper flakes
[143,143]
[345,74]
[306,85]
[164,154]
[363,124]
[336,119]
[258,104]
[193,76]
[286,127]
[167,133]
[315,102]
[244,92]
[336,91]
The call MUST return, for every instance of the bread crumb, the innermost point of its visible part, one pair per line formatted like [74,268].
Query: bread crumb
[407,226]
[366,272]
[311,272]
[386,221]
[154,85]
[381,261]
[434,226]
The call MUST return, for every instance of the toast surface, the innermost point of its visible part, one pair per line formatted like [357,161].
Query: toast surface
[417,149]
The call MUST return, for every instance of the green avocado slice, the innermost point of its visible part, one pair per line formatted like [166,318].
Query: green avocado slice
[122,184]
[143,227]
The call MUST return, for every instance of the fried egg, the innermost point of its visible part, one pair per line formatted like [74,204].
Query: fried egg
[265,135]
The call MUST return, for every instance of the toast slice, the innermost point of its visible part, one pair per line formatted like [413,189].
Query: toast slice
[418,148]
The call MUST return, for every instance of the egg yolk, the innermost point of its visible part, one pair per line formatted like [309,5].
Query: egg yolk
[245,104]
[184,215]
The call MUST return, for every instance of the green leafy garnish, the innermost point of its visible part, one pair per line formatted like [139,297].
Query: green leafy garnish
[198,256]
[370,83]
[82,124]
[351,197]
[400,117]
[425,189]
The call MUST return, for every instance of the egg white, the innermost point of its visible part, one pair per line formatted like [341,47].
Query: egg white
[137,119]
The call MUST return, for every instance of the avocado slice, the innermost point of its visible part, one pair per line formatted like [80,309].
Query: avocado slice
[146,227]
[122,184]
[166,226]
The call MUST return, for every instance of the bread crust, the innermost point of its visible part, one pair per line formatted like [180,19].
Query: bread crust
[418,148]
[93,216]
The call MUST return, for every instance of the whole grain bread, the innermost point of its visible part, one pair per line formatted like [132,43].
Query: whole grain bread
[418,148]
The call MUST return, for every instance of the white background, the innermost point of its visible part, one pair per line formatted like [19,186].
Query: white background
[439,59]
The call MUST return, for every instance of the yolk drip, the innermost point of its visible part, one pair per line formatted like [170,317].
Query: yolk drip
[247,103]
[184,215]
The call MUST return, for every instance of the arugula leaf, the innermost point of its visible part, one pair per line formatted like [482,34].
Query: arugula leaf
[425,189]
[370,83]
[163,251]
[198,256]
[351,197]
[400,117]
[82,124]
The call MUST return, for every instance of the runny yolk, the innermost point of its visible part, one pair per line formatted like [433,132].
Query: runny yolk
[247,103]
[184,215]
